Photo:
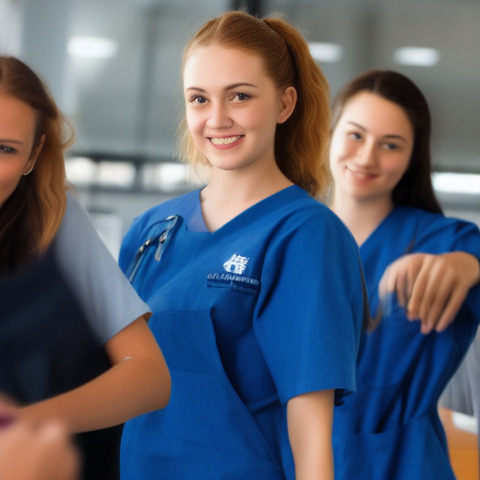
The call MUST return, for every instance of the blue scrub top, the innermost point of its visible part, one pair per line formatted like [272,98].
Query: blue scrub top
[389,429]
[265,308]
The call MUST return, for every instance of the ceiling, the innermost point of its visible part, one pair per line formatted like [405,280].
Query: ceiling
[130,104]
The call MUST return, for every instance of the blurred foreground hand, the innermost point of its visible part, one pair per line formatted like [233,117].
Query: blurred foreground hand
[36,452]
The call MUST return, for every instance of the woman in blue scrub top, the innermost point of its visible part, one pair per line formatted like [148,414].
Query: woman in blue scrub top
[255,286]
[419,269]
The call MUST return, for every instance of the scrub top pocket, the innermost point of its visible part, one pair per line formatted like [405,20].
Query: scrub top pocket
[390,349]
[369,455]
[205,421]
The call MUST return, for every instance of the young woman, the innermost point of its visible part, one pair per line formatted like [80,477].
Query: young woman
[255,287]
[40,219]
[419,268]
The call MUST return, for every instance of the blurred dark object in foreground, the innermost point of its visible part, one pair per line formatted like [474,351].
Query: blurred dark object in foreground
[47,347]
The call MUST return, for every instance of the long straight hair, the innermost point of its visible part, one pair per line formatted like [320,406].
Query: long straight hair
[31,216]
[300,142]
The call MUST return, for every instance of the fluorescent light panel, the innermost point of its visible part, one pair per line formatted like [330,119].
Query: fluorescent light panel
[416,56]
[466,183]
[326,52]
[92,47]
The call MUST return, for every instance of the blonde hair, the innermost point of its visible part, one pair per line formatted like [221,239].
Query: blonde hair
[31,216]
[301,143]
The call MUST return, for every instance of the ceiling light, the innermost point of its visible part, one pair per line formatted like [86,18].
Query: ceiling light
[416,56]
[91,47]
[326,52]
[466,183]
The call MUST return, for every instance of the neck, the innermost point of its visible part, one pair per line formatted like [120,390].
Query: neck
[229,193]
[361,217]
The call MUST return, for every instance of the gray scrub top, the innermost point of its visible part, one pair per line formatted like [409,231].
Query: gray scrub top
[108,300]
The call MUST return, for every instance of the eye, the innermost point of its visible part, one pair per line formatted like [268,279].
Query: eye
[355,136]
[198,100]
[6,149]
[390,146]
[241,97]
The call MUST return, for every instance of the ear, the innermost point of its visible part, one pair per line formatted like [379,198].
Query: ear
[288,100]
[35,153]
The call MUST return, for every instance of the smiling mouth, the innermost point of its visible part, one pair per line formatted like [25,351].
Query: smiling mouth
[225,140]
[361,173]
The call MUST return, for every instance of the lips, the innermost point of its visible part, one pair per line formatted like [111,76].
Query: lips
[361,173]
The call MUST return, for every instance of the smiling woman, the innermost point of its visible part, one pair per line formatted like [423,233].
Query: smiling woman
[422,273]
[227,269]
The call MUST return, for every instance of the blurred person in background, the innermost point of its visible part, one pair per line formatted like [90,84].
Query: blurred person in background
[422,273]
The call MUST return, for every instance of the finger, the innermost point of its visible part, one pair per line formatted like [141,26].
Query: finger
[386,285]
[57,443]
[431,292]
[401,288]
[421,287]
[451,310]
[435,301]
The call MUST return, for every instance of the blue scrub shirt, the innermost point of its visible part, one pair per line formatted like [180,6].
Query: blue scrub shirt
[265,308]
[389,428]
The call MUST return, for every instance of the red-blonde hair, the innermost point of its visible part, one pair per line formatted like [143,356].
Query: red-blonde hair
[301,142]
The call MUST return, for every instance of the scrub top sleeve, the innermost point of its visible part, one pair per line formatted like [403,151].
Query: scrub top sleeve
[311,307]
[467,238]
[109,302]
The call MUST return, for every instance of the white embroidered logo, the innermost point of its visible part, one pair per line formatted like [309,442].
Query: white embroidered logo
[236,264]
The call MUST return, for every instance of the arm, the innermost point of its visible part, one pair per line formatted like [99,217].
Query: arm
[432,288]
[310,419]
[137,382]
[36,453]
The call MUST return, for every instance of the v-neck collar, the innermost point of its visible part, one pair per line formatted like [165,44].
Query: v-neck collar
[195,222]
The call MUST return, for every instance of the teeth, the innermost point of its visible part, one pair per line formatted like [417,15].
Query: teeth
[225,141]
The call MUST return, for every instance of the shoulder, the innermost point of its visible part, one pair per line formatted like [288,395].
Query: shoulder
[417,216]
[446,233]
[301,217]
[312,215]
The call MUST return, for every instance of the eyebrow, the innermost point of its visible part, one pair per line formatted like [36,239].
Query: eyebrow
[11,140]
[393,136]
[229,87]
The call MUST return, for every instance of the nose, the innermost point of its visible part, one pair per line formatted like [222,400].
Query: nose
[366,154]
[219,116]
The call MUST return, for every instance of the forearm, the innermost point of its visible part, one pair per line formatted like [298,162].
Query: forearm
[310,418]
[138,382]
[130,388]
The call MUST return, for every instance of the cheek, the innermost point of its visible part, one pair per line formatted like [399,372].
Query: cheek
[338,150]
[9,179]
[192,121]
[398,168]
[259,117]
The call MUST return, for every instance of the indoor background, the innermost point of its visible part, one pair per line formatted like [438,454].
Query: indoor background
[114,68]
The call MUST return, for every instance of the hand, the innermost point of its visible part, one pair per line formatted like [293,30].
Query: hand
[41,452]
[431,288]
